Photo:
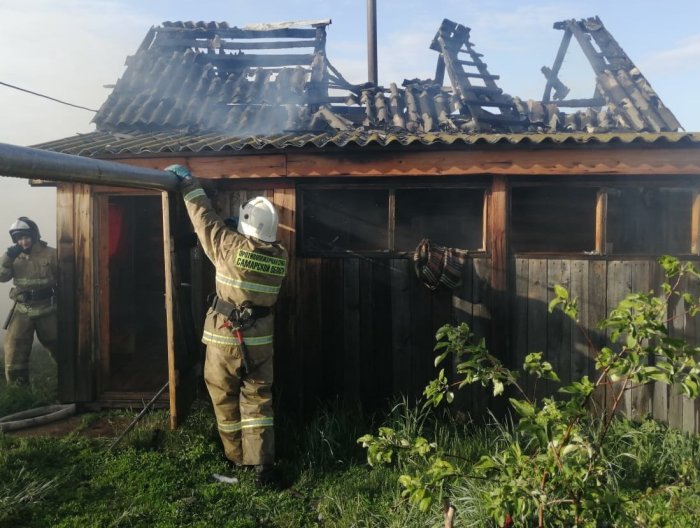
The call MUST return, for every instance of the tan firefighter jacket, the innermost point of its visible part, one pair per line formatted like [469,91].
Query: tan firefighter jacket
[247,269]
[34,271]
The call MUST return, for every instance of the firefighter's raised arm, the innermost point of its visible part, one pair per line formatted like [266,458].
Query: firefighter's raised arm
[6,262]
[208,225]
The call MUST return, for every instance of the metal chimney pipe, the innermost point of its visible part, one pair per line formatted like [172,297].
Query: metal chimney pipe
[372,73]
[31,164]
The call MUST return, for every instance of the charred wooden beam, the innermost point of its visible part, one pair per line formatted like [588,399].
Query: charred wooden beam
[624,88]
[473,75]
[596,59]
[200,42]
[560,89]
[580,103]
[236,33]
[452,39]
[558,61]
[239,61]
[467,63]
[440,71]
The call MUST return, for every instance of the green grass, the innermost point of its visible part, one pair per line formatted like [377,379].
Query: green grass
[162,478]
[42,388]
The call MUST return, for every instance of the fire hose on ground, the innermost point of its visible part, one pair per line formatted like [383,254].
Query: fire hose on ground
[38,416]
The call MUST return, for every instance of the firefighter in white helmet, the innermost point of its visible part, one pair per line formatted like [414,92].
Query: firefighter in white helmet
[31,264]
[250,266]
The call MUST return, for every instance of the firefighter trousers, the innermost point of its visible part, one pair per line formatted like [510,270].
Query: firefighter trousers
[19,339]
[242,402]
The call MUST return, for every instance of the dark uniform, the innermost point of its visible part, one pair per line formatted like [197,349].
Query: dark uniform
[34,277]
[249,271]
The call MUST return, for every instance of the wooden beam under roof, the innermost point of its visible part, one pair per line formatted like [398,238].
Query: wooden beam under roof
[566,162]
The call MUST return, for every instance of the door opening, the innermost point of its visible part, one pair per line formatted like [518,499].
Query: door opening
[135,358]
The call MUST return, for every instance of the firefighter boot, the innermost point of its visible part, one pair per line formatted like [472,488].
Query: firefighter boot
[265,475]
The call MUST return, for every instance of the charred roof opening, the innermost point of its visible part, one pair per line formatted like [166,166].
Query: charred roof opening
[274,81]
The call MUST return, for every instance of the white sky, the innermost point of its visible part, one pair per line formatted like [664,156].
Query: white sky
[70,49]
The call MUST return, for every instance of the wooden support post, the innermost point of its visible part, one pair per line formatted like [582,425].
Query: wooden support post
[169,310]
[499,265]
[103,292]
[695,224]
[601,220]
[66,314]
[84,293]
[392,220]
[485,223]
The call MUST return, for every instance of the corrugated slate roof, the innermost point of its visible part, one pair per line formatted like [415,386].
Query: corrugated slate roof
[105,144]
[199,78]
[208,87]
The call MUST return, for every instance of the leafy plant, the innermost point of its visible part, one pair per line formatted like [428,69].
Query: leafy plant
[557,470]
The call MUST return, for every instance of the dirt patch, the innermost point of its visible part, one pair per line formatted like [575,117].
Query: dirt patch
[93,427]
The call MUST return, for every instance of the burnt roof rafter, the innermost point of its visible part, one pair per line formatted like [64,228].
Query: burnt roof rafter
[452,42]
[620,85]
[202,78]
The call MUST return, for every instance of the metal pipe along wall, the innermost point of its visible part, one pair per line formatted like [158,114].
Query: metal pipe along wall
[30,163]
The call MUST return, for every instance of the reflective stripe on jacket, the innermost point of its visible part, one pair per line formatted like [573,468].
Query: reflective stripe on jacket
[247,269]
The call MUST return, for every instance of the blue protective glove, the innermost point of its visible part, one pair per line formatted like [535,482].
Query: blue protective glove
[182,173]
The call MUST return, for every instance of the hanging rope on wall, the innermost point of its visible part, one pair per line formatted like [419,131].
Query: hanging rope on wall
[437,265]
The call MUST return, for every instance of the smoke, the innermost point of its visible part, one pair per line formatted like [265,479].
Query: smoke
[68,50]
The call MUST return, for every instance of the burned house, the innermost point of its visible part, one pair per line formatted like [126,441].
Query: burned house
[583,193]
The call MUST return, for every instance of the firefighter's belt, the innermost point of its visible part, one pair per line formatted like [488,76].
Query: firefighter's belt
[39,294]
[246,313]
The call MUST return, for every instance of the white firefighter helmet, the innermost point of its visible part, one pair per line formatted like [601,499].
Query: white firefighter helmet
[23,226]
[258,218]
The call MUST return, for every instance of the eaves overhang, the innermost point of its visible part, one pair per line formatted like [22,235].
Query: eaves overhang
[141,144]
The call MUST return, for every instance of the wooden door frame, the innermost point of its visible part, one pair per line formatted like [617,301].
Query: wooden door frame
[101,290]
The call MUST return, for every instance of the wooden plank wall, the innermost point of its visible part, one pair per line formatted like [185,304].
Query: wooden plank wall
[472,304]
[359,330]
[84,270]
[66,286]
[599,285]
[77,343]
[363,329]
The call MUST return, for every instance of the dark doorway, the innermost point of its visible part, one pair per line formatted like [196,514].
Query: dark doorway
[136,356]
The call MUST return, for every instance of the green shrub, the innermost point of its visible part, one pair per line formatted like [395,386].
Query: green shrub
[560,465]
